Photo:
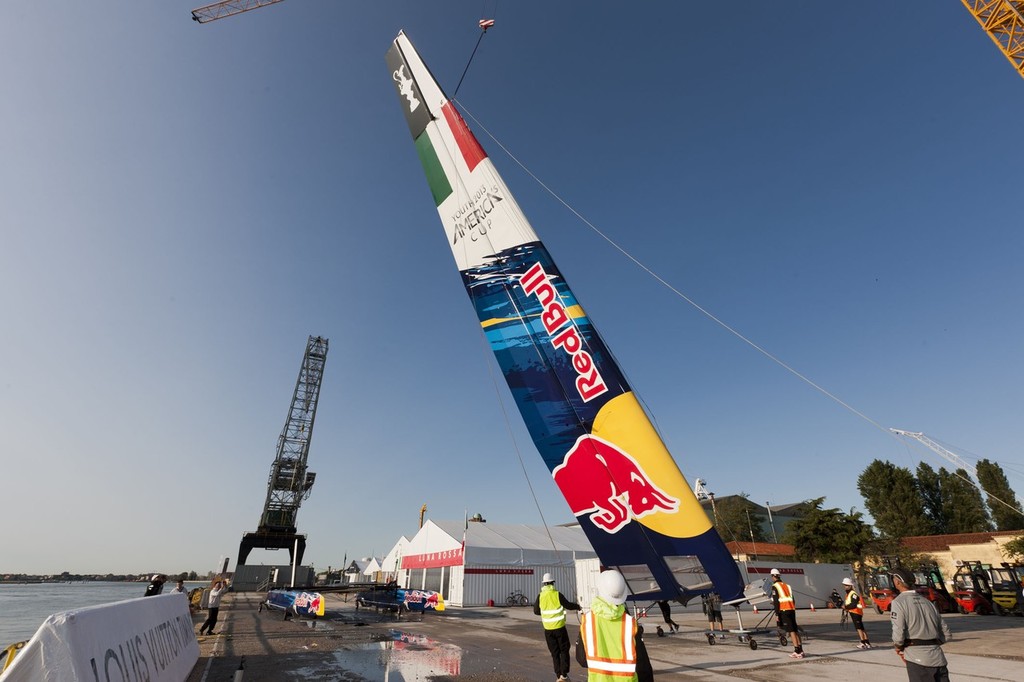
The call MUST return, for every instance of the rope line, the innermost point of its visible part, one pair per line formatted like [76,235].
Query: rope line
[515,444]
[704,311]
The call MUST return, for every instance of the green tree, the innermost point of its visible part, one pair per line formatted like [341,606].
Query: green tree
[1002,502]
[829,535]
[892,497]
[962,502]
[1014,549]
[731,519]
[930,485]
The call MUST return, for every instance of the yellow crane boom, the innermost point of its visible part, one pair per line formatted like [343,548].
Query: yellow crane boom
[1003,21]
[227,8]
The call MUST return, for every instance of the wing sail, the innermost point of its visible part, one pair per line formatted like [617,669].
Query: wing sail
[616,474]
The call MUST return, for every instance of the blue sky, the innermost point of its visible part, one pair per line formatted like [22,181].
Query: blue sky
[183,205]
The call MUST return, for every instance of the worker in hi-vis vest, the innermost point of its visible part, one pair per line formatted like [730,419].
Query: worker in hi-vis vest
[611,644]
[855,607]
[551,607]
[785,609]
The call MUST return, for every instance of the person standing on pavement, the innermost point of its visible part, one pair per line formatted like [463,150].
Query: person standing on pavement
[213,605]
[666,614]
[785,608]
[551,607]
[855,607]
[713,609]
[611,644]
[156,585]
[918,631]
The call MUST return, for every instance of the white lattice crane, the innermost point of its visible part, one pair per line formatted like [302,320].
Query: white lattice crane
[935,447]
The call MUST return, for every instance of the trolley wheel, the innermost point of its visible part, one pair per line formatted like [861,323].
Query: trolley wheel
[782,640]
[753,645]
[711,639]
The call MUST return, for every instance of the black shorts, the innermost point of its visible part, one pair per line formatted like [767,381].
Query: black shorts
[787,620]
[858,621]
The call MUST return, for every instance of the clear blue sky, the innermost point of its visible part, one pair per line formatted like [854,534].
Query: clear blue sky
[182,205]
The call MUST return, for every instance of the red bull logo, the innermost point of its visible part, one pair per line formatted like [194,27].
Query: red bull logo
[597,478]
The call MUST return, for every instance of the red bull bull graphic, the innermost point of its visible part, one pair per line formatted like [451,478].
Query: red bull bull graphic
[590,479]
[603,451]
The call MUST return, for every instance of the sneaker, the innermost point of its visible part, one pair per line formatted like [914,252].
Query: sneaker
[862,645]
[796,655]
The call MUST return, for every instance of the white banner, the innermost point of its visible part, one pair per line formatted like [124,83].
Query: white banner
[150,639]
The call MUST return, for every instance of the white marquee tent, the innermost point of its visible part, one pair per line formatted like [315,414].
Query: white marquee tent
[476,563]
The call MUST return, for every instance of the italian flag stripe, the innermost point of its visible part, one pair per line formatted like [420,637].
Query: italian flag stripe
[471,150]
[438,181]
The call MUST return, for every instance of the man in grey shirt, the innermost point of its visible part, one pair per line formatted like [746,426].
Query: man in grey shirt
[918,631]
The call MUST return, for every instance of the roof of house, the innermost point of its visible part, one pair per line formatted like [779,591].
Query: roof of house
[762,548]
[939,543]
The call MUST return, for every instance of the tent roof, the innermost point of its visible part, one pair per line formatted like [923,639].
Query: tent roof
[504,544]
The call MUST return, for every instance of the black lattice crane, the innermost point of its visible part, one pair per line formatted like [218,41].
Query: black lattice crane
[227,8]
[290,481]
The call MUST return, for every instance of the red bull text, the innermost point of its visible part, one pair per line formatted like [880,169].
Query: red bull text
[589,383]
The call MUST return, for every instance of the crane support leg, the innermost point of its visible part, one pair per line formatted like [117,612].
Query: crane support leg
[289,541]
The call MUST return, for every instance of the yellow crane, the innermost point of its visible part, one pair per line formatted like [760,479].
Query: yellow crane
[227,8]
[1003,21]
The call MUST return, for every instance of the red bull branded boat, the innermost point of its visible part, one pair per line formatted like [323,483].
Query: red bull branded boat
[605,455]
[297,602]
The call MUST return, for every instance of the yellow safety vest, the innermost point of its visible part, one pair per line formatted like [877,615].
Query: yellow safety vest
[551,612]
[610,646]
[860,605]
[786,602]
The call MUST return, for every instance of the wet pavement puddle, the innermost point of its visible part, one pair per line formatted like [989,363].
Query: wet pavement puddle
[397,656]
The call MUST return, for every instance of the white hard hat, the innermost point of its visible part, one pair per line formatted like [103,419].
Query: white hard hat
[848,581]
[611,587]
[776,571]
[548,578]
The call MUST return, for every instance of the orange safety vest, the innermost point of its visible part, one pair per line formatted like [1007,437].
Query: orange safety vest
[860,605]
[610,647]
[786,602]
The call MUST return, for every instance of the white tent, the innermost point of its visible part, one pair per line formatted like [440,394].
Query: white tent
[372,570]
[476,563]
[390,566]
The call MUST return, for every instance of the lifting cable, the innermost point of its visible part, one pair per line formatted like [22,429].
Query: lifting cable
[711,316]
[484,25]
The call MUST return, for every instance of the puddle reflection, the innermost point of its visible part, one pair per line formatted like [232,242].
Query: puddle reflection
[397,656]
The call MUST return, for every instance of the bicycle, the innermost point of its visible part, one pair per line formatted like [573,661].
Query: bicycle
[517,598]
